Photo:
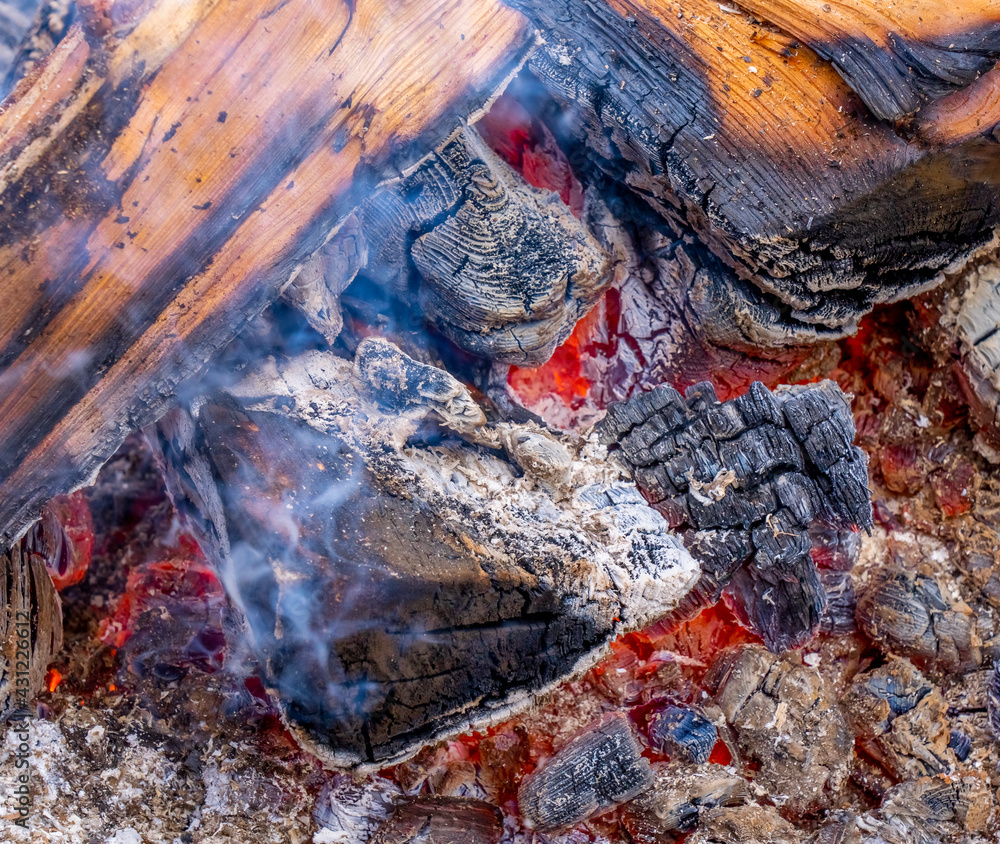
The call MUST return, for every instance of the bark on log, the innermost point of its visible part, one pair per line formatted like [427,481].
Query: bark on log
[165,170]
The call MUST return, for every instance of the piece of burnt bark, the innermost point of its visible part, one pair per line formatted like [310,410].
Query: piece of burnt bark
[405,571]
[993,700]
[907,614]
[679,796]
[442,820]
[594,772]
[502,268]
[744,481]
[788,726]
[30,629]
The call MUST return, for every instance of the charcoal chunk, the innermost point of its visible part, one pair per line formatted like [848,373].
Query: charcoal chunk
[596,771]
[907,614]
[759,486]
[682,732]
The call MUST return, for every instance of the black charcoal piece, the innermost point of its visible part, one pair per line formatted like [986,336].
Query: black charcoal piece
[594,772]
[906,614]
[682,732]
[762,488]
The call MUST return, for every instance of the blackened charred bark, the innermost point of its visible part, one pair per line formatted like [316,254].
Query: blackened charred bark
[743,135]
[743,481]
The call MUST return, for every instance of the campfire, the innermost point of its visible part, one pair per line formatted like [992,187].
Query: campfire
[500,422]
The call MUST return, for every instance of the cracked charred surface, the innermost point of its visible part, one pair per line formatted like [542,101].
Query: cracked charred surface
[501,268]
[736,130]
[743,481]
[400,582]
[788,726]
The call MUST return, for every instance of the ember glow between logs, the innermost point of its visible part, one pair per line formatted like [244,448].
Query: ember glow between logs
[356,513]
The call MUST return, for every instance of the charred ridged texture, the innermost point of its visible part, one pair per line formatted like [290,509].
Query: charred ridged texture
[930,810]
[993,700]
[166,170]
[442,820]
[30,630]
[682,732]
[502,268]
[741,133]
[744,480]
[907,614]
[594,772]
[399,591]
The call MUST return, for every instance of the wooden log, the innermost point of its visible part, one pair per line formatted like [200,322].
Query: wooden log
[165,170]
[406,570]
[811,209]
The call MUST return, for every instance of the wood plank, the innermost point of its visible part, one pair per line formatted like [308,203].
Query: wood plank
[204,182]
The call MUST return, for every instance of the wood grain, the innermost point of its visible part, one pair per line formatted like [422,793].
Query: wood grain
[165,171]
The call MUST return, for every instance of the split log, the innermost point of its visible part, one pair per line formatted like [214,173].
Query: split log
[811,208]
[167,168]
[407,570]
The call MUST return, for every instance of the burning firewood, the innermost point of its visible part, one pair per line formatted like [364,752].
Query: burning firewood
[165,195]
[744,481]
[404,578]
[163,208]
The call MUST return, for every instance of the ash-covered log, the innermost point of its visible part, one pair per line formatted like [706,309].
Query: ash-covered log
[407,570]
[743,481]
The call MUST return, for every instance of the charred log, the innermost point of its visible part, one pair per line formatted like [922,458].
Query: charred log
[744,481]
[823,222]
[399,582]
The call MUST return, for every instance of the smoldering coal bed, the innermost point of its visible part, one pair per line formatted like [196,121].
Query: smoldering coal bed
[372,576]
